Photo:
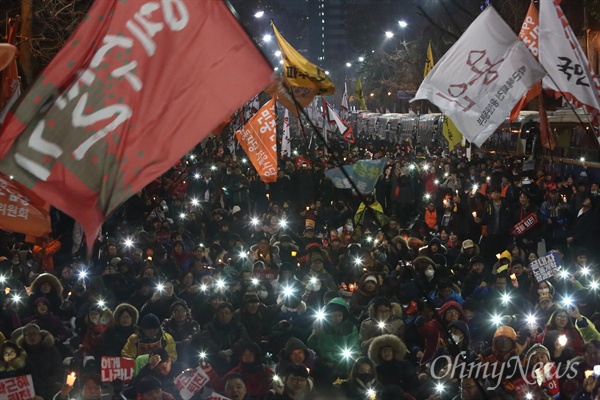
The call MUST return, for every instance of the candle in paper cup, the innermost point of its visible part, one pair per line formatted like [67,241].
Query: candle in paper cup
[71,379]
[474,213]
[294,253]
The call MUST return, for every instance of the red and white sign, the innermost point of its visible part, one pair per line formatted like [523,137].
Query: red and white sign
[17,388]
[268,275]
[117,368]
[190,382]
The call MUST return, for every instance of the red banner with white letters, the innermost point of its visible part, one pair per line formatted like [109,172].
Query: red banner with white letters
[137,85]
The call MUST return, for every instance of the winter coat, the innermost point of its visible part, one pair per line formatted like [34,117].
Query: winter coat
[116,336]
[310,357]
[433,331]
[187,331]
[360,299]
[327,340]
[137,345]
[47,360]
[161,307]
[300,325]
[54,297]
[217,336]
[369,329]
[398,371]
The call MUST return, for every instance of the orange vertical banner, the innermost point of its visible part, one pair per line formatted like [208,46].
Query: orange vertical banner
[259,140]
[529,34]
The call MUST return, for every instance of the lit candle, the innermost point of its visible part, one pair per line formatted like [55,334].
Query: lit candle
[474,213]
[294,253]
[71,379]
[268,196]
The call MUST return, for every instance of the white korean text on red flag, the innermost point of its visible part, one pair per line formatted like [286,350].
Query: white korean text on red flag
[481,78]
[137,85]
[564,60]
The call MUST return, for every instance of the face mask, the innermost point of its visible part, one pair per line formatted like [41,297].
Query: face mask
[365,377]
[457,338]
[262,294]
[429,273]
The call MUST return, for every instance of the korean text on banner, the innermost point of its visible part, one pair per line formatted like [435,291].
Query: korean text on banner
[21,210]
[137,85]
[190,382]
[286,139]
[364,174]
[479,80]
[543,268]
[300,72]
[117,368]
[561,55]
[18,387]
[259,140]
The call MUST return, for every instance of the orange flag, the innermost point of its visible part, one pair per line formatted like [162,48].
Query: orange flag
[259,140]
[21,210]
[529,34]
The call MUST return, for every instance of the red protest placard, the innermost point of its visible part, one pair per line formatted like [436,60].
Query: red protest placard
[117,368]
[190,382]
[17,388]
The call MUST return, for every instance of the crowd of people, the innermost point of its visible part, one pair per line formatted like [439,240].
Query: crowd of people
[298,289]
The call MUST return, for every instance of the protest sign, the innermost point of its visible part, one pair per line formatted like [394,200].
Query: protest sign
[190,382]
[117,368]
[17,388]
[543,268]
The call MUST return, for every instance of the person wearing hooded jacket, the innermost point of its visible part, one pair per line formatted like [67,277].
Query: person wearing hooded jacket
[335,336]
[388,352]
[362,383]
[14,362]
[256,374]
[48,286]
[47,321]
[385,317]
[434,329]
[42,352]
[367,289]
[125,318]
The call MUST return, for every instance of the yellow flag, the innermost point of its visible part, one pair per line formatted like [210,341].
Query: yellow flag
[359,95]
[429,62]
[298,71]
[451,133]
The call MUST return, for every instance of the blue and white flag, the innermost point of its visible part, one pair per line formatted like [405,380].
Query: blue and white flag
[364,174]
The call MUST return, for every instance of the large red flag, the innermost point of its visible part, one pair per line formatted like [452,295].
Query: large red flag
[137,85]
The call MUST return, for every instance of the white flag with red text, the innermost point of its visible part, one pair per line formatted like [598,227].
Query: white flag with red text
[332,118]
[286,140]
[479,80]
[345,110]
[561,55]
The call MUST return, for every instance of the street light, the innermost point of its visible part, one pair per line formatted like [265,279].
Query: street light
[348,65]
[389,34]
[259,14]
[267,38]
[361,59]
[402,23]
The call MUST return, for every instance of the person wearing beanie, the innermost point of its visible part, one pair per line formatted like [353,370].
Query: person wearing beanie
[254,316]
[296,352]
[295,384]
[388,352]
[367,289]
[476,275]
[183,328]
[150,388]
[335,332]
[149,336]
